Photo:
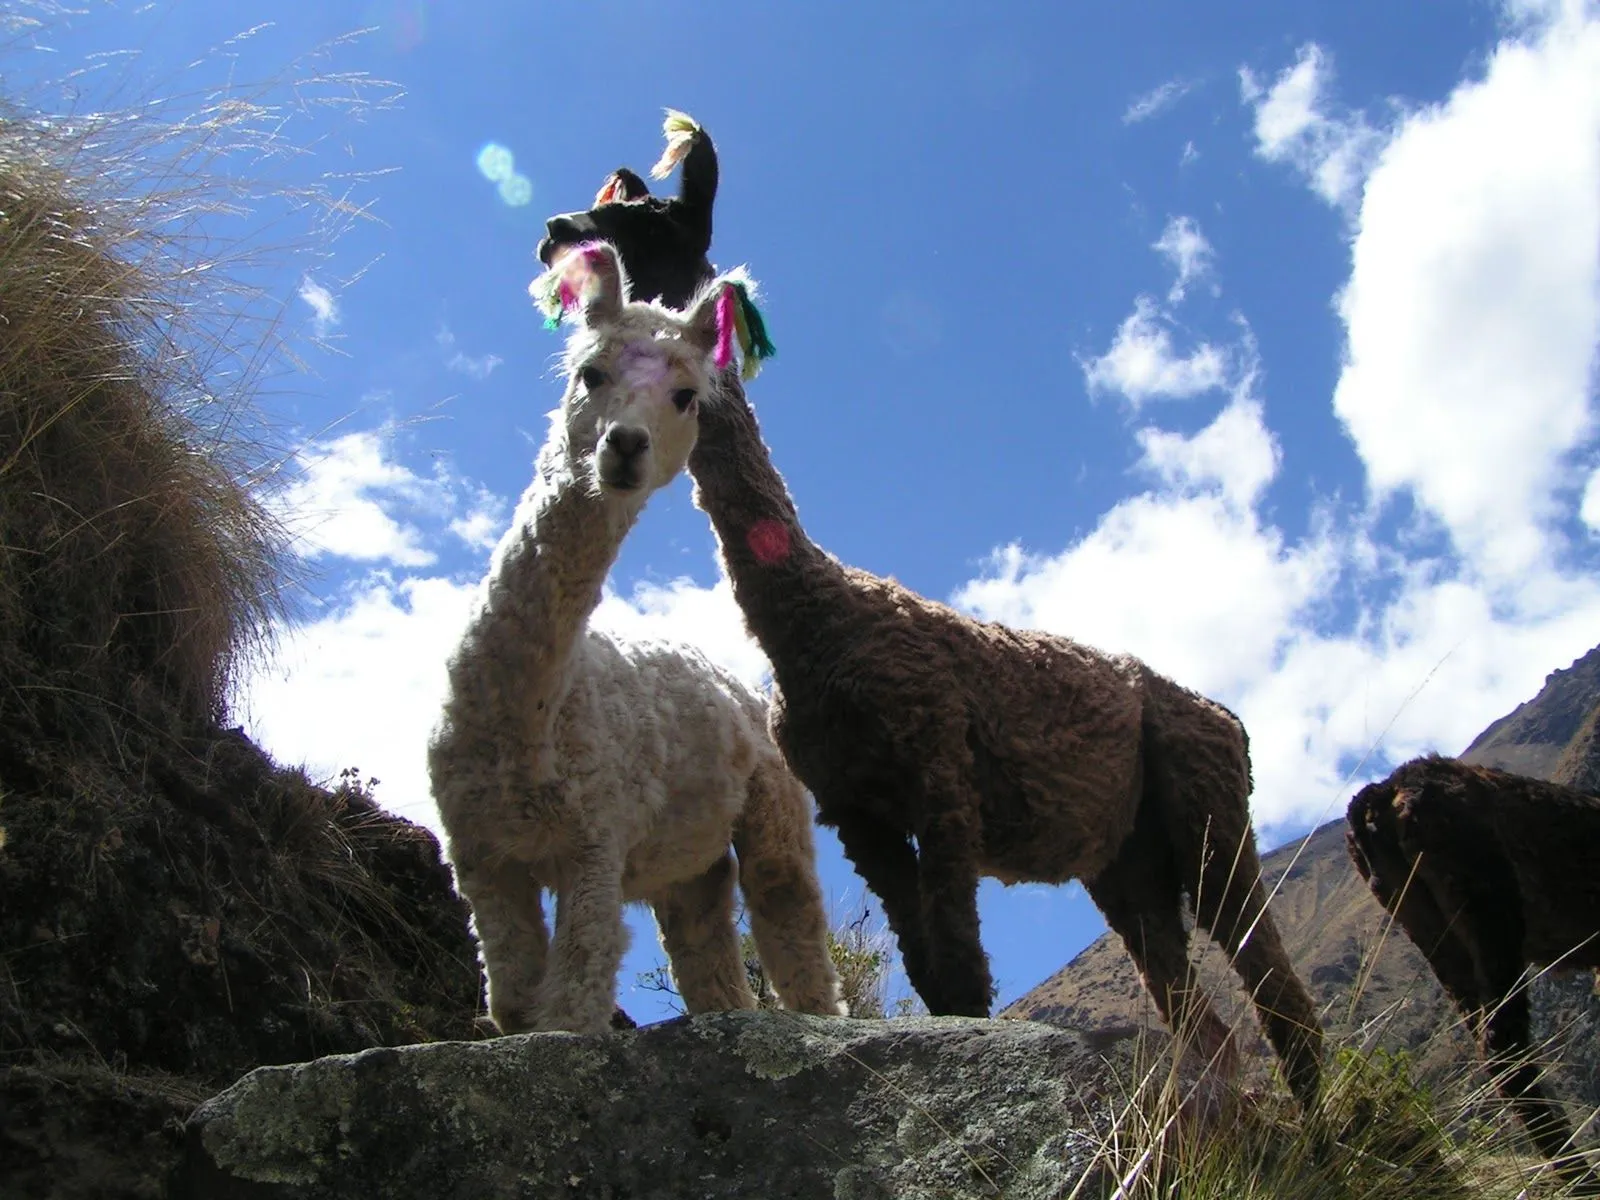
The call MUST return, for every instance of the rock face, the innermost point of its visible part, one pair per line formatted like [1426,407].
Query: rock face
[767,1104]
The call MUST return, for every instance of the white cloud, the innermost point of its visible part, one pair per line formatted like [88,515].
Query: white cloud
[324,308]
[1185,247]
[1235,456]
[1187,575]
[1473,306]
[1156,100]
[351,498]
[1473,317]
[1294,124]
[483,524]
[1142,364]
[340,504]
[1589,509]
[363,685]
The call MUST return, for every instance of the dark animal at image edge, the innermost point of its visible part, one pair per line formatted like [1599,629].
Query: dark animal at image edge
[1487,872]
[943,749]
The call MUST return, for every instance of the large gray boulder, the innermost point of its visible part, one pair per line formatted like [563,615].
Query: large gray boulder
[766,1104]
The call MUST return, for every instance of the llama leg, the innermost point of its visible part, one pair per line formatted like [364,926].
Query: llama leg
[1488,922]
[696,922]
[882,855]
[509,914]
[948,874]
[1141,899]
[579,988]
[1197,773]
[778,875]
[1231,905]
[1507,1039]
[1406,894]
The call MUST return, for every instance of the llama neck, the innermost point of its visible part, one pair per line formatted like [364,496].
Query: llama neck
[770,561]
[547,572]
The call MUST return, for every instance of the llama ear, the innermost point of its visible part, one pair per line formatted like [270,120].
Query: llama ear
[705,318]
[621,186]
[602,303]
[689,144]
[724,314]
[589,280]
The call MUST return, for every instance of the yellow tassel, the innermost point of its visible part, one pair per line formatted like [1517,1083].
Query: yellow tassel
[680,129]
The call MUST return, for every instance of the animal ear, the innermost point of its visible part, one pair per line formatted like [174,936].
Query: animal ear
[725,314]
[621,186]
[589,280]
[704,318]
[689,144]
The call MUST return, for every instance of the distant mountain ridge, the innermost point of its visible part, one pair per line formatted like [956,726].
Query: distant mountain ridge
[1332,924]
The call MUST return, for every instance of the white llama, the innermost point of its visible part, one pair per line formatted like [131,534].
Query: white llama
[607,771]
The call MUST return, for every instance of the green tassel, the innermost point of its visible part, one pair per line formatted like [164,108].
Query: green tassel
[753,337]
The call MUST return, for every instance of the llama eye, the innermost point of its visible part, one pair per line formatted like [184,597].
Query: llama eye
[592,377]
[683,398]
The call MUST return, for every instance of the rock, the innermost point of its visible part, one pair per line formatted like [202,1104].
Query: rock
[742,1104]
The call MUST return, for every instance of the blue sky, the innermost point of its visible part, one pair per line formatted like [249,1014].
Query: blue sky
[1255,339]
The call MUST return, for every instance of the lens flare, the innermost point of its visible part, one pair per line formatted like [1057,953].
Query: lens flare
[405,22]
[516,190]
[495,163]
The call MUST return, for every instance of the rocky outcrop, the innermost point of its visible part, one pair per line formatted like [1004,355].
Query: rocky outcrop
[768,1104]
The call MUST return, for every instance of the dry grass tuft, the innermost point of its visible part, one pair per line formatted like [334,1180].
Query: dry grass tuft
[140,563]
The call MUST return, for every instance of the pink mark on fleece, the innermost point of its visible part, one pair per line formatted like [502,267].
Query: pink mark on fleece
[643,365]
[768,541]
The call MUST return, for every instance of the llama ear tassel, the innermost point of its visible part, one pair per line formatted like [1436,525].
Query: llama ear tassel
[680,129]
[586,279]
[739,319]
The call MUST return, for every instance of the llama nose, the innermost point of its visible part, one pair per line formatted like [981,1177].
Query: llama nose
[627,441]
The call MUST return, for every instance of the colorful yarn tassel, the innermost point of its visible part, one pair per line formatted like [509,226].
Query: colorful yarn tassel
[681,130]
[567,285]
[739,318]
[753,338]
[727,322]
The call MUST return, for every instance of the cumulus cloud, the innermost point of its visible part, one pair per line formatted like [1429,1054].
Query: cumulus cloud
[1296,124]
[362,685]
[1142,363]
[345,499]
[1156,100]
[1472,326]
[1185,247]
[324,308]
[1473,305]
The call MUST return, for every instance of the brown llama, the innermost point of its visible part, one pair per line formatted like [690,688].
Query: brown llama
[943,749]
[1487,872]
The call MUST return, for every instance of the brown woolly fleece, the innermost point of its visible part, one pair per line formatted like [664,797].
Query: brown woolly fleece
[943,749]
[1487,872]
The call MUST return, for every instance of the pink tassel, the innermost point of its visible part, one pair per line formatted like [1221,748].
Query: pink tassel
[725,327]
